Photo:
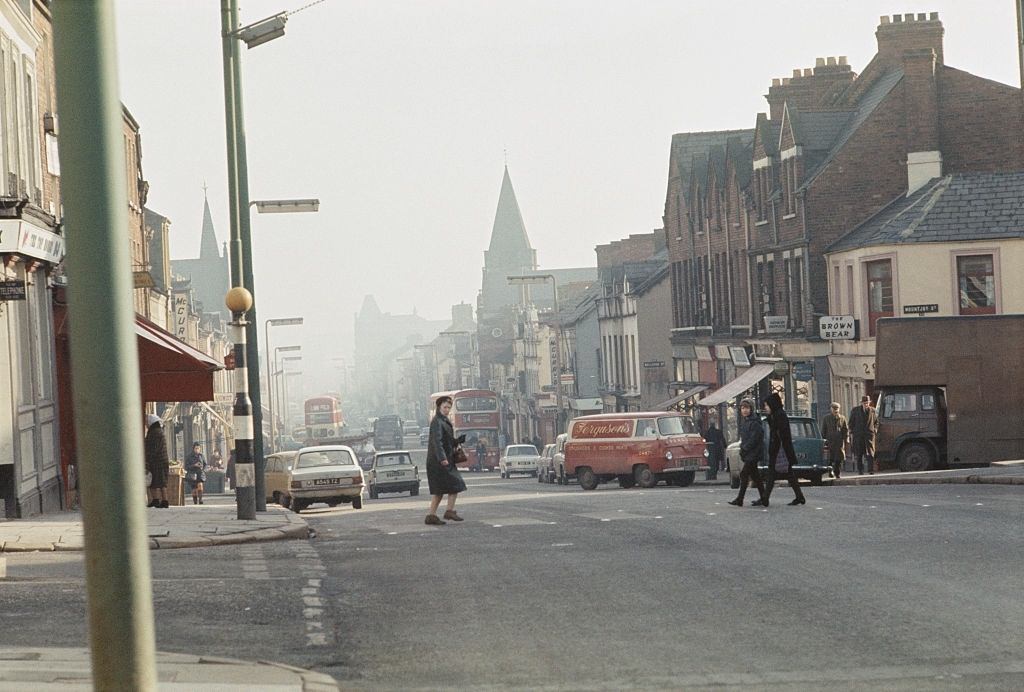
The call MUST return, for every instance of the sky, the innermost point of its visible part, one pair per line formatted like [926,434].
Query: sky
[399,117]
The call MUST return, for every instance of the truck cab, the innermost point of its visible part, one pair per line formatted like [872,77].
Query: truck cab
[911,428]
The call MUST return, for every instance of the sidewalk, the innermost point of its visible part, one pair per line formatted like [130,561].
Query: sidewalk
[190,526]
[44,669]
[999,473]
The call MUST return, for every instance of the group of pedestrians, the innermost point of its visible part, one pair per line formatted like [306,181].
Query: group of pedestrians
[860,432]
[158,466]
[781,455]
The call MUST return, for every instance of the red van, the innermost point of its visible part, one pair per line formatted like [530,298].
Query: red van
[635,449]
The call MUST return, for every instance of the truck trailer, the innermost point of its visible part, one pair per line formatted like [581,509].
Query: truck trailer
[950,390]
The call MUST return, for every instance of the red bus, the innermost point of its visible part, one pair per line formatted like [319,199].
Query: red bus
[323,418]
[475,415]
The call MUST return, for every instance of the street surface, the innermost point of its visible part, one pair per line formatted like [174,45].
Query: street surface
[878,587]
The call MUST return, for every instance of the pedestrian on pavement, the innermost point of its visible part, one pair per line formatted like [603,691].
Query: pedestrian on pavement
[195,469]
[835,431]
[781,441]
[751,451]
[481,454]
[216,460]
[157,463]
[537,443]
[443,478]
[863,428]
[715,441]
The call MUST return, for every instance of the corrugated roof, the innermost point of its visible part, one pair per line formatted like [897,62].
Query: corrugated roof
[962,207]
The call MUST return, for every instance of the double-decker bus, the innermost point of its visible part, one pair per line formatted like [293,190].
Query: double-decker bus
[475,414]
[323,418]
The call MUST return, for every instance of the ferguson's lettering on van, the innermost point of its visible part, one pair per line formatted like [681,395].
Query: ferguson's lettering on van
[603,429]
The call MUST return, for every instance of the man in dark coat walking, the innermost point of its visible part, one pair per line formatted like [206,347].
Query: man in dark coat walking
[716,449]
[863,428]
[751,452]
[781,440]
[835,431]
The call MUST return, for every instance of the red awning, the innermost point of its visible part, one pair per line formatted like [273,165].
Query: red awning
[170,369]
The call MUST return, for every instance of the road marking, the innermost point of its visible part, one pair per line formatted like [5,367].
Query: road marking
[710,514]
[926,505]
[978,504]
[254,563]
[561,545]
[312,569]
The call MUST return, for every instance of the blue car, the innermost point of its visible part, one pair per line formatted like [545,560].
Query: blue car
[811,452]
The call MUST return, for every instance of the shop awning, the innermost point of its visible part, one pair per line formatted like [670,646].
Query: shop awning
[170,369]
[666,405]
[594,404]
[744,381]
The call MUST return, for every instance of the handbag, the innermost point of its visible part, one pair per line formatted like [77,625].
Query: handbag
[459,455]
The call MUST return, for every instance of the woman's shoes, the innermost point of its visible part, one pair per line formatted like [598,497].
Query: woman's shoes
[759,503]
[153,503]
[434,520]
[164,504]
[738,502]
[798,501]
[450,515]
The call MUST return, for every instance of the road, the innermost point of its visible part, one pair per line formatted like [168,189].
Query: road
[894,587]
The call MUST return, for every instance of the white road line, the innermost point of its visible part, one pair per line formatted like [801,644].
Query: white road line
[313,604]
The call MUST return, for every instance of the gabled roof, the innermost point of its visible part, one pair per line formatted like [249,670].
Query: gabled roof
[818,130]
[865,106]
[768,135]
[740,154]
[955,208]
[716,163]
[687,145]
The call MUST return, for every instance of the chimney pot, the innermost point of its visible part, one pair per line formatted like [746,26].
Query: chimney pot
[897,19]
[808,72]
[796,73]
[776,82]
[842,59]
[819,62]
[921,16]
[909,16]
[831,60]
[785,81]
[934,16]
[884,19]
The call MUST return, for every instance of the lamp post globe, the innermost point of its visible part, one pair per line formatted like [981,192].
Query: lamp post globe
[238,299]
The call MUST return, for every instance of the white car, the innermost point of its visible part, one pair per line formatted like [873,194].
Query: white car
[518,459]
[393,472]
[328,473]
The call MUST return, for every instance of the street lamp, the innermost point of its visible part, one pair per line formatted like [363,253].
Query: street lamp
[253,35]
[279,322]
[285,206]
[533,279]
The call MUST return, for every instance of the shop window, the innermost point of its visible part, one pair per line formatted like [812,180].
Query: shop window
[879,276]
[977,286]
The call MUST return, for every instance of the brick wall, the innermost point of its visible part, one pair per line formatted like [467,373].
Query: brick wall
[636,248]
[980,123]
[47,99]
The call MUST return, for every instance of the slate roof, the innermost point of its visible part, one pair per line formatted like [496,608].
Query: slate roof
[742,156]
[686,145]
[866,105]
[955,208]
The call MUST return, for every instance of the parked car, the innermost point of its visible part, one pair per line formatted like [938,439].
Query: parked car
[811,452]
[558,460]
[546,465]
[277,476]
[326,473]
[424,436]
[518,459]
[393,472]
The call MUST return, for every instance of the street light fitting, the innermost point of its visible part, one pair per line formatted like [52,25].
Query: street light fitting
[284,321]
[287,348]
[261,32]
[529,280]
[285,206]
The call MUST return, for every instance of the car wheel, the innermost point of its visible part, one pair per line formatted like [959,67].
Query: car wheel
[333,503]
[915,456]
[644,477]
[357,502]
[686,478]
[286,501]
[816,478]
[540,478]
[414,492]
[588,479]
[626,482]
[373,492]
[298,505]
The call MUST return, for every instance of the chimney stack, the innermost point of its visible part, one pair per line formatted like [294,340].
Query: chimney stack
[904,32]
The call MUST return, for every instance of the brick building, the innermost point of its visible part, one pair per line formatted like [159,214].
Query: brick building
[749,214]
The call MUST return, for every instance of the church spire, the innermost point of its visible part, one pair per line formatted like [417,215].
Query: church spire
[208,246]
[510,246]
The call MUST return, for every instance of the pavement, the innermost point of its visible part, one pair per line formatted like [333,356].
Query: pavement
[998,473]
[190,526]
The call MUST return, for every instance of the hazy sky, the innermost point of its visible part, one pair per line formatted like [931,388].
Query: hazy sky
[397,116]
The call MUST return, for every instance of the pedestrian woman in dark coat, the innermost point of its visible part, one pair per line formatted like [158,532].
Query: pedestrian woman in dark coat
[781,439]
[157,463]
[751,452]
[443,478]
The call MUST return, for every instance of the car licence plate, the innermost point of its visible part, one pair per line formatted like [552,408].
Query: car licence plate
[326,481]
[394,474]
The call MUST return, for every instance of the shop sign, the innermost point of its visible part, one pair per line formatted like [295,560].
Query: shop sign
[774,324]
[739,356]
[832,327]
[803,371]
[781,368]
[28,240]
[12,290]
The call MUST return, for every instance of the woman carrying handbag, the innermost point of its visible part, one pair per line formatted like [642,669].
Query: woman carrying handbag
[443,453]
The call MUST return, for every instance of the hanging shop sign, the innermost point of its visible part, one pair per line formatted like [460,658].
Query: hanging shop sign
[12,290]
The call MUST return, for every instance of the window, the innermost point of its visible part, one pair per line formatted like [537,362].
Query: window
[676,425]
[686,370]
[796,278]
[836,293]
[976,283]
[927,402]
[849,289]
[899,403]
[645,428]
[879,275]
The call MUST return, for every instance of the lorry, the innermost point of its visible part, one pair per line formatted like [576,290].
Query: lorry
[950,391]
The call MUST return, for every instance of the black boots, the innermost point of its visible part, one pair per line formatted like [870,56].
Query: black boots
[798,501]
[738,502]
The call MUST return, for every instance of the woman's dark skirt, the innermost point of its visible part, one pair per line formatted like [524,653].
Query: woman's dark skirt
[444,481]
